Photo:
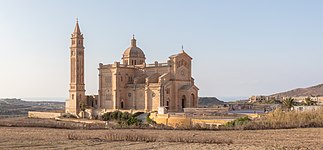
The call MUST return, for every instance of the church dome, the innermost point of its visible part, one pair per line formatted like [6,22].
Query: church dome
[133,51]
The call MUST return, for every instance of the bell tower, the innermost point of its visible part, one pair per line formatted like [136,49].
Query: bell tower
[77,86]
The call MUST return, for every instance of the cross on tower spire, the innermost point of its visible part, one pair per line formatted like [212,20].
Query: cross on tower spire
[77,27]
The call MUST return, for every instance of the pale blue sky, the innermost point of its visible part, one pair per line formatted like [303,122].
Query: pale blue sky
[239,48]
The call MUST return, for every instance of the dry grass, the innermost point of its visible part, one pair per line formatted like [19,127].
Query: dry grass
[50,138]
[139,137]
[279,119]
[47,123]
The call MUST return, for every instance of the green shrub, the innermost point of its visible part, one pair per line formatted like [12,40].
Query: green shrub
[126,116]
[238,122]
[121,118]
[119,115]
[106,116]
[114,115]
[133,121]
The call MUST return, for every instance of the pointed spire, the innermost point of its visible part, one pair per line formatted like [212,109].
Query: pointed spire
[77,28]
[133,41]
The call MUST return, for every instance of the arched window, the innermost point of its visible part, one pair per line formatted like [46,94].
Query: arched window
[167,91]
[122,105]
[72,96]
[183,101]
[193,100]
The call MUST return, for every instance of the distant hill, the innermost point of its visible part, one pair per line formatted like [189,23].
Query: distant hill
[11,107]
[209,101]
[310,91]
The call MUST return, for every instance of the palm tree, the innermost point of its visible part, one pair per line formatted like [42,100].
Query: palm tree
[288,103]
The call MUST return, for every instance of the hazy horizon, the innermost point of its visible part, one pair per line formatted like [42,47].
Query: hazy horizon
[239,48]
[63,99]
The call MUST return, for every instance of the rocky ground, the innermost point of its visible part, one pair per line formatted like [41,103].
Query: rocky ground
[50,138]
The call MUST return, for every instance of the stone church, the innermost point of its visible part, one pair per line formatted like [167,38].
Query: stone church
[132,84]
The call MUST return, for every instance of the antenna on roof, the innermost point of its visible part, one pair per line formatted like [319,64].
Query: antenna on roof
[182,47]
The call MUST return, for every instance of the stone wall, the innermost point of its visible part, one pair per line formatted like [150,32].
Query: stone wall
[139,97]
[207,111]
[185,121]
[50,115]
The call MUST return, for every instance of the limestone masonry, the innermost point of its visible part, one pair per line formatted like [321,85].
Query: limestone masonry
[132,84]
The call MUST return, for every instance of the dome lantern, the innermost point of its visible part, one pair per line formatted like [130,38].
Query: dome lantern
[133,55]
[133,41]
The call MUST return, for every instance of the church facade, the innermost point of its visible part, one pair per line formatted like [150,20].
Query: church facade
[133,84]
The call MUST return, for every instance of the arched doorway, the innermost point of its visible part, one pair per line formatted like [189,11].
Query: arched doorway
[122,105]
[192,100]
[167,104]
[183,101]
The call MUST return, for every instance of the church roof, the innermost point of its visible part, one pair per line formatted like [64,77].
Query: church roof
[133,52]
[187,87]
[181,53]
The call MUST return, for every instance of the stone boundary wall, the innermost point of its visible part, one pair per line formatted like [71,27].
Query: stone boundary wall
[132,111]
[206,110]
[186,121]
[45,115]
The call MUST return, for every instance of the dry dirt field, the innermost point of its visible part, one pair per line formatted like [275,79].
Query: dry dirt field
[49,138]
